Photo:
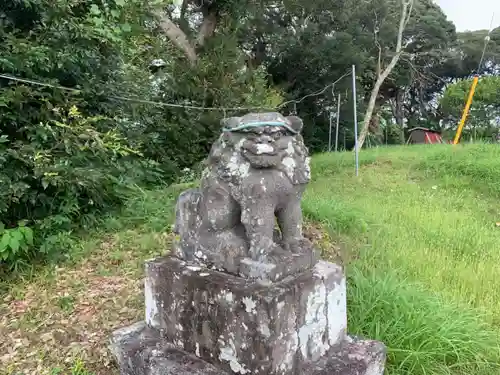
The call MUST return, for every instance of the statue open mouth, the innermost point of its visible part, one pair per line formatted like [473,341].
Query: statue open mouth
[262,154]
[264,148]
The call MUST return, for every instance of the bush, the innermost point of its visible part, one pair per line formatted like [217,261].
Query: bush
[60,172]
[178,138]
[68,156]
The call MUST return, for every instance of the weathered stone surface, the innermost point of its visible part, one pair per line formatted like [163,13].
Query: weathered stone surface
[244,326]
[353,357]
[141,351]
[279,265]
[256,173]
[238,295]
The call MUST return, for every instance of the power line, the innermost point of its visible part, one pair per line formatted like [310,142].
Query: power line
[175,105]
[486,41]
[185,106]
[37,83]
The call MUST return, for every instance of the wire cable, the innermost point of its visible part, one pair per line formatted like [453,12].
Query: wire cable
[175,105]
[487,39]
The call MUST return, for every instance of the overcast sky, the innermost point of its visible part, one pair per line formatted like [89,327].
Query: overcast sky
[471,14]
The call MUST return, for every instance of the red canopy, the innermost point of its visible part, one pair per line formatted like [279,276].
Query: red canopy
[424,135]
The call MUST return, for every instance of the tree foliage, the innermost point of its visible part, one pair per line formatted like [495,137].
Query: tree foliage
[67,155]
[321,40]
[485,108]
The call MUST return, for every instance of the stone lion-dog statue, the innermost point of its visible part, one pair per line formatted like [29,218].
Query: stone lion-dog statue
[255,175]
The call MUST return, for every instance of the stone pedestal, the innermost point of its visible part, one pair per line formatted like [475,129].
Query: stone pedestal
[202,321]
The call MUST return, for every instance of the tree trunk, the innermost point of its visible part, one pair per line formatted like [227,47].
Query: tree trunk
[369,112]
[207,28]
[178,37]
[406,9]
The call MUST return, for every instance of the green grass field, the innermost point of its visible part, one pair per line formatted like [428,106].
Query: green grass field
[419,226]
[416,230]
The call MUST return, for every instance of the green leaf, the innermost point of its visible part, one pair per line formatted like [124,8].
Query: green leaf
[28,235]
[14,244]
[16,240]
[45,184]
[94,9]
[120,2]
[126,27]
[5,241]
[98,21]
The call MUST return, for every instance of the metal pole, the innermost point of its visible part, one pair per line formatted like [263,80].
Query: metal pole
[355,118]
[330,135]
[337,127]
[466,110]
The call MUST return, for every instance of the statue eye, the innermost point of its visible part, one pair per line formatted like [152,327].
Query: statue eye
[279,134]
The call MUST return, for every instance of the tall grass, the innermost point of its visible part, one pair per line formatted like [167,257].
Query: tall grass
[420,221]
[423,334]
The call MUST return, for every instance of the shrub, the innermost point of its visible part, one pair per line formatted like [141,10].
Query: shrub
[57,173]
[61,166]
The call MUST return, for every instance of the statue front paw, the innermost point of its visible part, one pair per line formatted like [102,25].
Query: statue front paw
[296,246]
[262,251]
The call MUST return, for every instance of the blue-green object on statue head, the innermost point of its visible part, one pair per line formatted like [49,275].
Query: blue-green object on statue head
[265,119]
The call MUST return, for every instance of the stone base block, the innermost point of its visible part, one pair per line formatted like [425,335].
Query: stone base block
[241,325]
[354,356]
[140,350]
[232,259]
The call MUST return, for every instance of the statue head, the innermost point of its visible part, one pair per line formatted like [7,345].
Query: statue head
[264,139]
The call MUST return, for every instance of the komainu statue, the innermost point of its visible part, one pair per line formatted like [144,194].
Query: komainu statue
[255,175]
[236,296]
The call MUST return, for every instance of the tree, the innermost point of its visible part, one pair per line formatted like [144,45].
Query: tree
[485,110]
[470,47]
[196,22]
[63,159]
[216,76]
[321,40]
[383,73]
[422,71]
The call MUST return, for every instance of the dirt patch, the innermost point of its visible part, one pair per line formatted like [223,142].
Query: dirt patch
[330,248]
[65,318]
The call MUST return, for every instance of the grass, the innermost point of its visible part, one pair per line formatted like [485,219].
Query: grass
[58,321]
[416,229]
[420,224]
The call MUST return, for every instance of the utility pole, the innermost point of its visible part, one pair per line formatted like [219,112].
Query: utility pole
[337,127]
[356,153]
